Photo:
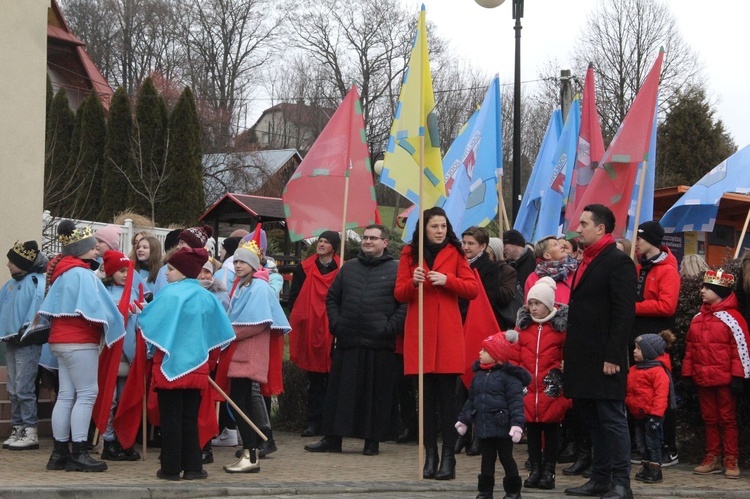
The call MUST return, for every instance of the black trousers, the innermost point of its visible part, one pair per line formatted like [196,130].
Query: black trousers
[241,393]
[540,435]
[180,447]
[608,422]
[498,448]
[440,398]
[316,397]
[407,396]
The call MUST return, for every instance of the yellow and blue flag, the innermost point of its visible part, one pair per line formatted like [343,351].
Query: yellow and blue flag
[415,118]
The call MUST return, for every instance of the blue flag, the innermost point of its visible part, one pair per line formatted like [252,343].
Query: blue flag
[537,186]
[696,209]
[558,183]
[470,169]
[647,203]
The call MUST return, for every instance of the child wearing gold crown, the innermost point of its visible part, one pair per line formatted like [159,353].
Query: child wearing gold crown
[716,362]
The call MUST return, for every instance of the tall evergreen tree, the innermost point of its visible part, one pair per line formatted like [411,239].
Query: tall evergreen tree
[148,171]
[689,141]
[185,200]
[70,179]
[117,156]
[90,160]
[59,129]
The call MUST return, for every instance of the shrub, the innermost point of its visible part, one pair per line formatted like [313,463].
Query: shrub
[292,410]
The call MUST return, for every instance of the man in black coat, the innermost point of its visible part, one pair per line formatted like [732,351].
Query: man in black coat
[600,318]
[365,319]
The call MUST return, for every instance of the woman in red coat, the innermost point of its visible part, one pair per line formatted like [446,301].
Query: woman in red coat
[445,277]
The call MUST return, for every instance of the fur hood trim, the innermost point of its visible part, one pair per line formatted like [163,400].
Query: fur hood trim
[558,323]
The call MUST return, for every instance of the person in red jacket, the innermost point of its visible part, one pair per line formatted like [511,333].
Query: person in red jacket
[716,362]
[446,275]
[658,291]
[650,392]
[541,326]
[553,260]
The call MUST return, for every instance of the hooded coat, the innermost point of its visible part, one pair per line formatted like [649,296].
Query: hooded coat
[539,351]
[495,402]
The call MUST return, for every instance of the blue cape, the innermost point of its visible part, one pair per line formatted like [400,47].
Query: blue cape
[19,302]
[257,304]
[185,322]
[78,292]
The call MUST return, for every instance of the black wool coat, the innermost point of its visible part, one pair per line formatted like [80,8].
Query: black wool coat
[362,311]
[600,318]
[499,290]
[495,400]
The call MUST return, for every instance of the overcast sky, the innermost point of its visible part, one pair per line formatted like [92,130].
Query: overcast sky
[716,30]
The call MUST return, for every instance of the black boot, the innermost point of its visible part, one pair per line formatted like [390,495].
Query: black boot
[59,457]
[569,453]
[485,486]
[583,461]
[653,473]
[476,447]
[269,446]
[462,443]
[512,487]
[81,461]
[430,462]
[532,482]
[113,452]
[447,469]
[547,481]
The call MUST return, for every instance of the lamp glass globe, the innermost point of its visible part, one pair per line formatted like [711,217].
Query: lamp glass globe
[490,4]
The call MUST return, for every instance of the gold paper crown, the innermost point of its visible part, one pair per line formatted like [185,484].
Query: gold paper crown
[77,235]
[26,254]
[250,245]
[719,278]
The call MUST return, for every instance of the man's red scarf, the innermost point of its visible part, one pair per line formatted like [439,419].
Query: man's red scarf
[589,254]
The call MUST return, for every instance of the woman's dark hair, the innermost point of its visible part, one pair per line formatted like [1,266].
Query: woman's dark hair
[450,236]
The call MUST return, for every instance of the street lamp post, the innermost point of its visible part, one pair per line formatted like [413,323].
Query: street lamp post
[516,186]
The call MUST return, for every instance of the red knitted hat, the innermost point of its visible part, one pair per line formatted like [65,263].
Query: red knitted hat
[196,237]
[498,345]
[189,261]
[114,261]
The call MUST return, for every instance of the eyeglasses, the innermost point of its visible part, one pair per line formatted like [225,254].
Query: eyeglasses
[372,238]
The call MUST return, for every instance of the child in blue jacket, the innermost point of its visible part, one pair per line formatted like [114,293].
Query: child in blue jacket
[495,407]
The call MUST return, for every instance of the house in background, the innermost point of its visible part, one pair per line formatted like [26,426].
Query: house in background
[68,64]
[290,125]
[258,173]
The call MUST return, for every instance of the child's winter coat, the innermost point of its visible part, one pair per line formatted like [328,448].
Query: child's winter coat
[495,400]
[539,350]
[717,345]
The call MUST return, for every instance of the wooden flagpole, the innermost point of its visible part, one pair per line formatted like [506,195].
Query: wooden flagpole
[637,221]
[144,419]
[420,330]
[742,236]
[236,408]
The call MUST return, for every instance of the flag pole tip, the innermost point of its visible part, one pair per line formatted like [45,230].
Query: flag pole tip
[423,8]
[591,64]
[661,49]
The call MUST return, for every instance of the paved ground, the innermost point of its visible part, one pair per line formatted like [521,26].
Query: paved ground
[292,472]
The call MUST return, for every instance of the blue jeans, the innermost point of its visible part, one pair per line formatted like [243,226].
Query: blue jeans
[648,436]
[109,434]
[23,364]
[608,423]
[78,369]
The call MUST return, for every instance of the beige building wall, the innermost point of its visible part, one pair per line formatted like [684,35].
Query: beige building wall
[23,34]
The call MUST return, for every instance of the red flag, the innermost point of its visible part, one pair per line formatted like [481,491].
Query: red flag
[314,196]
[128,415]
[590,148]
[613,182]
[480,323]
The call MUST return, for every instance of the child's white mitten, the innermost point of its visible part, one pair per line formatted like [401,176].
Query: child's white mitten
[461,428]
[515,433]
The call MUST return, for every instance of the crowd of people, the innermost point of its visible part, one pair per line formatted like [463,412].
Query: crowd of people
[565,343]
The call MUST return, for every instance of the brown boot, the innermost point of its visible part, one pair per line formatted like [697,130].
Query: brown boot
[710,465]
[731,468]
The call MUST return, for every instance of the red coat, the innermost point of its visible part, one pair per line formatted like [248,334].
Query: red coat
[648,391]
[539,350]
[712,357]
[443,332]
[661,289]
[562,288]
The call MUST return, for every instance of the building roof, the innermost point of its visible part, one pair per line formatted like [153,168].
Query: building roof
[270,160]
[242,207]
[298,113]
[68,63]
